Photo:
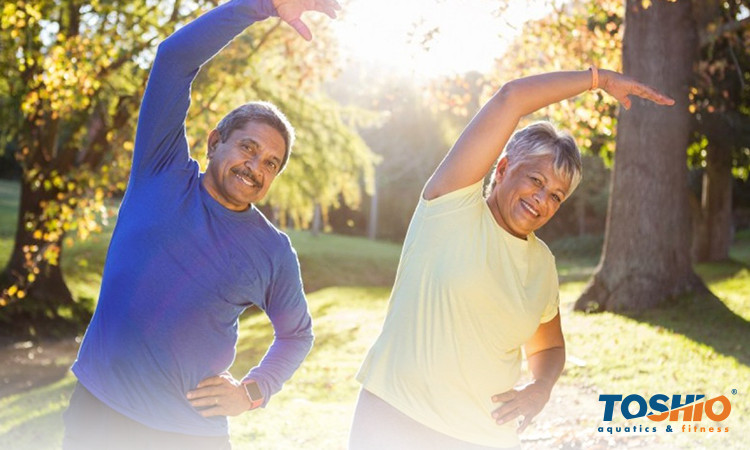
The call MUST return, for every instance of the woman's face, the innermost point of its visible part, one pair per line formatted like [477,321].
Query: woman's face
[526,196]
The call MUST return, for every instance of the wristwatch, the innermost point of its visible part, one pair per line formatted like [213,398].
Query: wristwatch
[253,393]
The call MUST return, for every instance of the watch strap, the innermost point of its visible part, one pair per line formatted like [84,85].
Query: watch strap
[254,402]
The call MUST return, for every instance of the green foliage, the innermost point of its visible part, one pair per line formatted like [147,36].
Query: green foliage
[720,98]
[330,163]
[72,87]
[578,34]
[74,74]
[409,136]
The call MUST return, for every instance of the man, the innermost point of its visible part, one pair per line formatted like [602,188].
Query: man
[189,254]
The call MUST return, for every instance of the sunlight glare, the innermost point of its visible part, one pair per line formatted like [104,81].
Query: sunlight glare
[429,38]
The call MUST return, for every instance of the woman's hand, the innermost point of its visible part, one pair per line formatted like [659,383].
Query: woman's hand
[291,11]
[526,401]
[620,87]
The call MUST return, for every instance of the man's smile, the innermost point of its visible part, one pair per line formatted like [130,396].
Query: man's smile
[247,178]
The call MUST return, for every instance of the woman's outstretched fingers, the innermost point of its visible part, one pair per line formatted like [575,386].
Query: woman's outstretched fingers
[524,423]
[649,93]
[509,409]
[620,87]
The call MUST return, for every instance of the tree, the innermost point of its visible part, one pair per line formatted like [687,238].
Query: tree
[73,77]
[69,92]
[720,103]
[405,133]
[646,257]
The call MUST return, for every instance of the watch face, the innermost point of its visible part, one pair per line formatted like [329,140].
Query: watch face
[254,391]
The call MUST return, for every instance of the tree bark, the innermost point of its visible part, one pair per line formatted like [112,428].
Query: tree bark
[47,307]
[646,256]
[713,238]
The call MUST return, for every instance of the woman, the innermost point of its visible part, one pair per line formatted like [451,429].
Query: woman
[474,284]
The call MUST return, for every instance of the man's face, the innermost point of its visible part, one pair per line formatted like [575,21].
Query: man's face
[527,195]
[241,170]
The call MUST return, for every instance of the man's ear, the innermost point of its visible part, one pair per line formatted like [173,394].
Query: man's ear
[214,137]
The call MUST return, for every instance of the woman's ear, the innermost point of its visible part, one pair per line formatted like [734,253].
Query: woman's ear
[501,169]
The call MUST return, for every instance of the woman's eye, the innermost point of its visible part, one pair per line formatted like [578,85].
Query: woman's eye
[557,198]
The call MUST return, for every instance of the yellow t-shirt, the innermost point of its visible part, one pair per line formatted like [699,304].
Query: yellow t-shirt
[467,296]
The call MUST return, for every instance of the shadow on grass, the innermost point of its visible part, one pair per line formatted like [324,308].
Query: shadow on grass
[703,318]
[719,271]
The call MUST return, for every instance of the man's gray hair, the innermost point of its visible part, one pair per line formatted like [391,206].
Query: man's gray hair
[262,112]
[542,140]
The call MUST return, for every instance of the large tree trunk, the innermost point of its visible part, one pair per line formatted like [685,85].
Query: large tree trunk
[646,256]
[46,306]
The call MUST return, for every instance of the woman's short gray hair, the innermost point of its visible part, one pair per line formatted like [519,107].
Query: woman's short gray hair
[262,112]
[542,140]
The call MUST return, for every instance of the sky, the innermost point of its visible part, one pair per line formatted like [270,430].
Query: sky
[398,34]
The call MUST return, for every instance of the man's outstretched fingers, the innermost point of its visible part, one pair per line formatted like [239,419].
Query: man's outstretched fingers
[329,7]
[301,28]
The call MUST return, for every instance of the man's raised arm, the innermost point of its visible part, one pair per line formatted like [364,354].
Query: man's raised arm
[160,139]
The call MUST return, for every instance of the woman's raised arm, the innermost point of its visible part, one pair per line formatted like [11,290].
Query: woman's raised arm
[483,140]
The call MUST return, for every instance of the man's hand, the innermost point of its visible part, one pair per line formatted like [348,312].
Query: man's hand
[220,395]
[291,11]
[526,401]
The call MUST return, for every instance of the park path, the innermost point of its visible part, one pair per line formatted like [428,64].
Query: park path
[571,420]
[568,422]
[26,365]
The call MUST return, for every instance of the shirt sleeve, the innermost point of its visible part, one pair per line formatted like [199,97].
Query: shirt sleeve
[286,307]
[160,138]
[459,199]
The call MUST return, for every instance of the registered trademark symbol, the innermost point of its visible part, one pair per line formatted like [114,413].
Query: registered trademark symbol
[734,391]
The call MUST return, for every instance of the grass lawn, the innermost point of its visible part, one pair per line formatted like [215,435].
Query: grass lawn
[695,346]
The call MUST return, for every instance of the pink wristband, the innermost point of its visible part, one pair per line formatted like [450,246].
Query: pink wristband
[594,78]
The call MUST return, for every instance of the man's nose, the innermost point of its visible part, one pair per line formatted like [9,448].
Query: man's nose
[252,163]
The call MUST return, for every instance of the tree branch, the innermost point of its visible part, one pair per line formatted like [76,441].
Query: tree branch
[708,37]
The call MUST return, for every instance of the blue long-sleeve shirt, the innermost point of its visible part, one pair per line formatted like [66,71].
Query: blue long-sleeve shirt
[181,268]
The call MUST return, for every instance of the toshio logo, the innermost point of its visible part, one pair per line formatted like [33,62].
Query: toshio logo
[659,408]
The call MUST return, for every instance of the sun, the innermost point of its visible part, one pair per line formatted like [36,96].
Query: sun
[430,38]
